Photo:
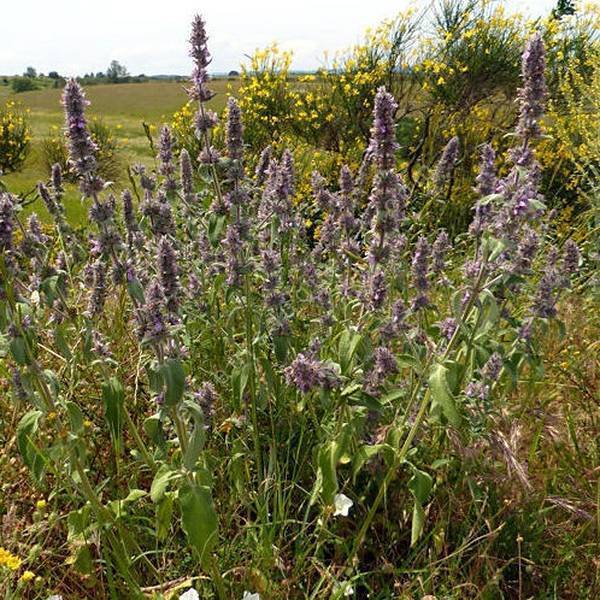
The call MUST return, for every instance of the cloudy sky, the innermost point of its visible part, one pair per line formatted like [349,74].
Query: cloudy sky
[149,36]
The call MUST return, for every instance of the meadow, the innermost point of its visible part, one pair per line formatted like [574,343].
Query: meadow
[329,336]
[123,107]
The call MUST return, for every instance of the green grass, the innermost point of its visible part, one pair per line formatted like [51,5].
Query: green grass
[123,107]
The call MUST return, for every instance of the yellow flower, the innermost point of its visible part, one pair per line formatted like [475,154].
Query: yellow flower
[40,504]
[27,576]
[9,560]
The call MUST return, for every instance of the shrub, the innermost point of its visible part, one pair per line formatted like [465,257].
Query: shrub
[23,84]
[198,377]
[15,137]
[267,95]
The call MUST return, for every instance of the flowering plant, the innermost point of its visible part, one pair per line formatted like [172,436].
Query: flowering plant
[247,381]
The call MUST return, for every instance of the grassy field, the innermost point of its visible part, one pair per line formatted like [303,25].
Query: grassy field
[123,107]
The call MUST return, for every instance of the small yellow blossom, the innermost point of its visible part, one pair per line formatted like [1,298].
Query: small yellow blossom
[27,576]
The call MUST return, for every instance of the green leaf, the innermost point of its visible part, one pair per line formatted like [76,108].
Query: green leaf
[153,429]
[365,454]
[113,396]
[216,224]
[75,417]
[17,349]
[26,430]
[420,486]
[174,378]
[164,514]
[328,459]
[136,292]
[441,397]
[280,346]
[349,342]
[198,518]
[161,482]
[418,523]
[60,340]
[408,360]
[198,436]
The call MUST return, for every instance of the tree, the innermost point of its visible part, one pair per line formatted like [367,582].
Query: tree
[116,71]
[30,72]
[53,75]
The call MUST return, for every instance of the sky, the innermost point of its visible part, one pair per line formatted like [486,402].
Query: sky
[149,36]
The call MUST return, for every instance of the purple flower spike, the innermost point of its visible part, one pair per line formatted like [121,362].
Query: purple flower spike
[383,144]
[447,162]
[486,180]
[82,149]
[199,52]
[235,142]
[533,93]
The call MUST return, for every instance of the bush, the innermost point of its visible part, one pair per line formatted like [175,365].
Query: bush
[194,376]
[110,163]
[23,84]
[15,137]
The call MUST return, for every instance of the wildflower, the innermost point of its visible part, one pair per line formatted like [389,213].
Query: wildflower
[8,560]
[159,212]
[169,274]
[82,149]
[18,387]
[191,594]
[129,213]
[260,173]
[250,596]
[420,263]
[187,178]
[27,576]
[209,156]
[440,247]
[491,370]
[234,130]
[377,289]
[533,93]
[206,398]
[384,365]
[307,373]
[477,390]
[7,222]
[526,250]
[233,246]
[201,56]
[448,327]
[342,505]
[99,291]
[165,158]
[571,257]
[383,143]
[152,322]
[486,179]
[204,121]
[447,162]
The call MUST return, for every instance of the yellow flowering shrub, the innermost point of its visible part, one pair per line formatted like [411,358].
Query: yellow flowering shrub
[15,137]
[267,95]
[572,124]
[474,53]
